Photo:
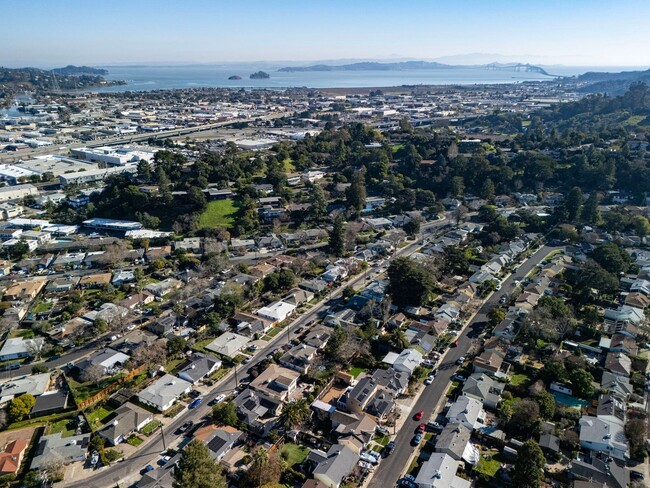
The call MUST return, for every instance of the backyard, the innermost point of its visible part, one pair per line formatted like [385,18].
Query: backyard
[294,454]
[220,213]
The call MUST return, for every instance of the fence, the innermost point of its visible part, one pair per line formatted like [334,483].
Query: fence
[113,386]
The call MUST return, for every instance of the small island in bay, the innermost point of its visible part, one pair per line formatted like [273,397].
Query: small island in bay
[235,77]
[260,75]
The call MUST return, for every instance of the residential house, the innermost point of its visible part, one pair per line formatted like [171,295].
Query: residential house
[18,348]
[277,385]
[219,440]
[491,362]
[617,385]
[164,392]
[599,473]
[62,284]
[164,287]
[356,433]
[299,358]
[318,336]
[55,448]
[24,290]
[406,361]
[394,381]
[33,384]
[160,477]
[601,435]
[107,360]
[611,409]
[129,419]
[483,388]
[248,324]
[276,311]
[618,363]
[12,456]
[439,471]
[97,280]
[453,440]
[298,297]
[50,402]
[332,467]
[467,411]
[201,366]
[228,344]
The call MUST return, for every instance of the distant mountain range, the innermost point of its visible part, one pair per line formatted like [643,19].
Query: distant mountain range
[613,83]
[413,65]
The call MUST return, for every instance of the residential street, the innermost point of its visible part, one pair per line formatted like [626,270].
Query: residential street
[127,471]
[390,469]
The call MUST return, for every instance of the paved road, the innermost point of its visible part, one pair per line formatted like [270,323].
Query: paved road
[148,452]
[391,468]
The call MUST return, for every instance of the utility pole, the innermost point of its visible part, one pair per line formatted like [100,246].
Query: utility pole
[162,434]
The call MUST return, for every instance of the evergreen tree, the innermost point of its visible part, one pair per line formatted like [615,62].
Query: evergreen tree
[590,211]
[318,202]
[337,237]
[529,467]
[573,204]
[197,469]
[487,190]
[356,192]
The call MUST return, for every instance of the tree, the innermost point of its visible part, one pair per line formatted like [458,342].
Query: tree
[529,467]
[337,237]
[525,414]
[412,227]
[590,212]
[197,469]
[356,192]
[641,226]
[226,413]
[458,185]
[410,283]
[612,258]
[573,204]
[398,339]
[546,404]
[93,373]
[635,431]
[487,190]
[295,414]
[318,202]
[582,383]
[20,406]
[496,316]
[176,346]
[266,468]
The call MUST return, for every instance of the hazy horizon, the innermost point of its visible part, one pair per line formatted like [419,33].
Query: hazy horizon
[579,33]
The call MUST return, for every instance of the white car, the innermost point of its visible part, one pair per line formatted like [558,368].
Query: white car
[429,379]
[220,398]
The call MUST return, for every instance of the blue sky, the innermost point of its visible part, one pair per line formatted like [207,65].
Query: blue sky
[571,32]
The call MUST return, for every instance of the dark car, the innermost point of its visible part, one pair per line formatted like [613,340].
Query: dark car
[390,447]
[185,427]
[417,439]
[194,394]
[636,475]
[147,468]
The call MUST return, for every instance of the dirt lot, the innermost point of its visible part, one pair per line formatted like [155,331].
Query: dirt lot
[11,435]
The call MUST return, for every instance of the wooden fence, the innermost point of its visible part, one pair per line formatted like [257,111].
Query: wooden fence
[113,386]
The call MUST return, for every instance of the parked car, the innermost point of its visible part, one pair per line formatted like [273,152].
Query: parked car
[636,475]
[460,360]
[434,425]
[388,448]
[417,439]
[382,430]
[195,403]
[185,427]
[164,460]
[459,377]
[455,343]
[503,299]
[418,415]
[148,468]
[407,483]
[194,394]
[421,428]
[429,379]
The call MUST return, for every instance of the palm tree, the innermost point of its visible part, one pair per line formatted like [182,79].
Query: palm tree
[295,414]
[399,339]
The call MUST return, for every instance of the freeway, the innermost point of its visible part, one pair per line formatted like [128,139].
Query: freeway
[151,449]
[392,467]
[112,141]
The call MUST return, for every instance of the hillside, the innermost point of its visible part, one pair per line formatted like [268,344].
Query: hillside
[611,83]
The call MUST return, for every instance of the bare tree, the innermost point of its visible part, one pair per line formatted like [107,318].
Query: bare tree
[150,354]
[459,213]
[93,374]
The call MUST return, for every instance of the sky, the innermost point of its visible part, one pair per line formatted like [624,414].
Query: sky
[98,32]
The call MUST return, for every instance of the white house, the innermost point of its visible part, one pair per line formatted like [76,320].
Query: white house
[276,311]
[162,393]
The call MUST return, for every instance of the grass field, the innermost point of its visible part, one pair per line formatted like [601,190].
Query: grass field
[519,379]
[65,426]
[97,417]
[220,213]
[294,454]
[356,371]
[489,467]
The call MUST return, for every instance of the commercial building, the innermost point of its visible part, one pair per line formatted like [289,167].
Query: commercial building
[94,175]
[17,192]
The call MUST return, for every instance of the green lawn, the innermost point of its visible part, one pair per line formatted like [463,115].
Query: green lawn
[220,213]
[134,440]
[381,439]
[96,417]
[519,379]
[356,371]
[489,467]
[65,426]
[289,166]
[294,454]
[635,120]
[151,427]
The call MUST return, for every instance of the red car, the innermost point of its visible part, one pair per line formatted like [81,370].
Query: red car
[418,415]
[421,428]
[455,343]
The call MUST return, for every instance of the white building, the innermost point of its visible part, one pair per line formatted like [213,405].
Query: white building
[164,392]
[276,311]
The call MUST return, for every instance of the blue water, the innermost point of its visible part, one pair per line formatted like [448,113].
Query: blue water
[569,401]
[145,78]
